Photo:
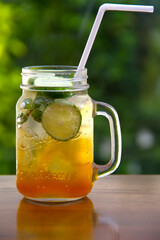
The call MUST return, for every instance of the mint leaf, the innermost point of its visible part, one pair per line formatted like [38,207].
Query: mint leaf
[39,105]
[37,114]
[22,118]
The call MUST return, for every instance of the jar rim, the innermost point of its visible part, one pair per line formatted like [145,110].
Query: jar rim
[36,70]
[54,77]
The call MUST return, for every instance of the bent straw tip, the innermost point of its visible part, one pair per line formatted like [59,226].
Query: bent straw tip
[126,7]
[152,9]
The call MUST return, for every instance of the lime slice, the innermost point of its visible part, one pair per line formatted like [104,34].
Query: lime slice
[61,120]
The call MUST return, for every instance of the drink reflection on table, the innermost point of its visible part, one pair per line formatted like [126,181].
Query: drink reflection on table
[74,220]
[67,221]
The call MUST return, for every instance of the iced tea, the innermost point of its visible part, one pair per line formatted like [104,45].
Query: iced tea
[48,167]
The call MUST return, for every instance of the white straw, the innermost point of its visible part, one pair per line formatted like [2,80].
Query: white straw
[97,22]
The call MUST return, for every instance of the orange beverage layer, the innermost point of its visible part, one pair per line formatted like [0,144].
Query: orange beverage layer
[54,169]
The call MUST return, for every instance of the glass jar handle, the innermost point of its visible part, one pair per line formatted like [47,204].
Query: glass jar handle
[103,109]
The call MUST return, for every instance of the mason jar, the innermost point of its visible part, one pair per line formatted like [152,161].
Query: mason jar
[54,135]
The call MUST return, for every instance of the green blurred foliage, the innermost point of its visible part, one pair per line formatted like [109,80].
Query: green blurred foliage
[123,70]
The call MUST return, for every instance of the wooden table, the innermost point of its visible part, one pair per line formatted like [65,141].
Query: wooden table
[123,207]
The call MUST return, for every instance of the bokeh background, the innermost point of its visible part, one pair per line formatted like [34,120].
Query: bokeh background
[123,69]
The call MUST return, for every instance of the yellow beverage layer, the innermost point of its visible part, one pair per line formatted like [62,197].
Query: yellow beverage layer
[55,169]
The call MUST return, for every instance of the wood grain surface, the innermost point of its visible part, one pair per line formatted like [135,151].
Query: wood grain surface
[123,207]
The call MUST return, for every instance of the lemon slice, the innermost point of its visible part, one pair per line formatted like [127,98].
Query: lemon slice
[61,120]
